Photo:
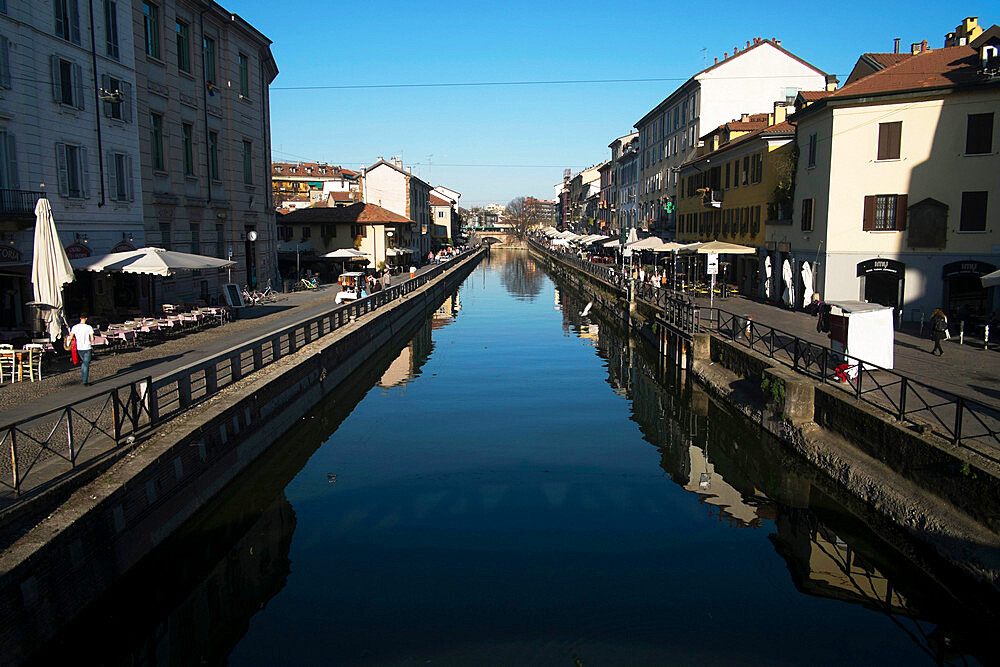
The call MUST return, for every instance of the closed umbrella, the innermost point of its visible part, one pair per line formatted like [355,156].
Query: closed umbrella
[807,281]
[786,273]
[767,276]
[991,279]
[50,268]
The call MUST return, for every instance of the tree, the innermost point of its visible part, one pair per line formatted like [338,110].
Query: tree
[521,216]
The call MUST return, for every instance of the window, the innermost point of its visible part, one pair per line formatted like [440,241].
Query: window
[247,162]
[220,240]
[8,162]
[120,186]
[244,75]
[888,140]
[306,232]
[111,29]
[213,155]
[4,62]
[67,83]
[183,46]
[884,213]
[196,238]
[188,137]
[67,16]
[811,162]
[440,214]
[165,235]
[726,182]
[979,134]
[72,164]
[745,174]
[122,109]
[156,141]
[208,58]
[756,167]
[807,215]
[151,28]
[973,212]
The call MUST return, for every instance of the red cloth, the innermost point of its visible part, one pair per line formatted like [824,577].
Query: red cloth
[72,351]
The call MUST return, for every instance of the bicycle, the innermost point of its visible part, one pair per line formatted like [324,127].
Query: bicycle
[268,294]
[250,298]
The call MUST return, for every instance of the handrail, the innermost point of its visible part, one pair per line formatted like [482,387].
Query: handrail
[54,439]
[963,421]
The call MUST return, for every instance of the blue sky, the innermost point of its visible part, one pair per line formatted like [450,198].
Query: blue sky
[492,143]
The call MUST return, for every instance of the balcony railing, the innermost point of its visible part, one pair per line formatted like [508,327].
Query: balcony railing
[712,198]
[18,204]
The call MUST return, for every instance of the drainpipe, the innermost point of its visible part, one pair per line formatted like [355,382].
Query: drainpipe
[204,93]
[97,103]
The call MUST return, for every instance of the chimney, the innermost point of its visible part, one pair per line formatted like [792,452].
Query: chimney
[745,118]
[716,60]
[777,42]
[725,55]
[914,48]
[736,50]
[895,47]
[748,43]
[923,46]
[780,112]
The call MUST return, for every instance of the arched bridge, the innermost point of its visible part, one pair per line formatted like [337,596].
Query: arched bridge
[502,236]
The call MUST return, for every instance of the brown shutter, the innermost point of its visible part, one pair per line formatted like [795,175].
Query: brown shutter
[895,139]
[868,221]
[900,212]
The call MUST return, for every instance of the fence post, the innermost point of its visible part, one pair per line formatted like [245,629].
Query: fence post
[69,437]
[152,401]
[116,415]
[235,367]
[184,390]
[211,380]
[795,353]
[959,408]
[13,460]
[258,357]
[902,398]
[861,374]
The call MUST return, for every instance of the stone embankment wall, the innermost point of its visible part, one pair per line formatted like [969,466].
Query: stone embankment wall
[52,573]
[946,497]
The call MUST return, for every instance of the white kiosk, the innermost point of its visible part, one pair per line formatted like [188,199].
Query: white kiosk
[864,331]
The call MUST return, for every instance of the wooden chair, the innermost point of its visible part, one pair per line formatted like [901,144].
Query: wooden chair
[35,351]
[7,361]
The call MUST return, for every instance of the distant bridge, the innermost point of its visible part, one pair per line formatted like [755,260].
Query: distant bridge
[493,235]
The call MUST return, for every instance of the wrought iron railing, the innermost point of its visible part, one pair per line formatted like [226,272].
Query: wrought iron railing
[47,446]
[18,203]
[960,420]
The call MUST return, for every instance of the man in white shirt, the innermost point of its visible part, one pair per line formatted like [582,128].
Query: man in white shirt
[83,334]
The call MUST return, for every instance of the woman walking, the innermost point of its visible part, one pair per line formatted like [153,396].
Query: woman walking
[939,330]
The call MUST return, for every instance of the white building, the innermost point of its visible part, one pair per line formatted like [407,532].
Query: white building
[389,185]
[897,192]
[68,133]
[747,81]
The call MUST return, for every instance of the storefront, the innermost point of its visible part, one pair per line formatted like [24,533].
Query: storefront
[15,288]
[882,282]
[964,294]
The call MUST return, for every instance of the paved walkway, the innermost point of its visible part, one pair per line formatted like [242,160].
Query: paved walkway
[24,399]
[967,370]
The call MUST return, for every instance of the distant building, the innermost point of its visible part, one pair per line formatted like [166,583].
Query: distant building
[615,195]
[443,219]
[389,185]
[746,81]
[544,210]
[624,153]
[295,183]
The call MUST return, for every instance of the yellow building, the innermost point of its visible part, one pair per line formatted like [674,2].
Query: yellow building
[740,182]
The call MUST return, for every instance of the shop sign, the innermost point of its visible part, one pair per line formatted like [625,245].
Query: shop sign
[77,251]
[712,264]
[969,268]
[9,253]
[890,266]
[123,246]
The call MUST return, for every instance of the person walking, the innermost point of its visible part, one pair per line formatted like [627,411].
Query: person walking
[939,330]
[386,277]
[83,334]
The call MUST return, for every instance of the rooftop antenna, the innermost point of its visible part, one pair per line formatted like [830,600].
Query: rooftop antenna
[704,57]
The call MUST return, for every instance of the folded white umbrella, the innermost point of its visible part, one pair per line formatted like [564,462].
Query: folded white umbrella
[807,280]
[991,279]
[786,272]
[50,268]
[153,261]
[767,276]
[633,236]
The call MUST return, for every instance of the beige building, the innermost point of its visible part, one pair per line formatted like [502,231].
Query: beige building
[203,117]
[393,187]
[897,194]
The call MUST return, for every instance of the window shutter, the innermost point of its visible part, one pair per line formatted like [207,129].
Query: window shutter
[126,90]
[129,181]
[868,221]
[78,87]
[74,21]
[106,87]
[895,139]
[63,170]
[13,182]
[4,62]
[112,167]
[56,81]
[84,173]
[901,212]
[60,27]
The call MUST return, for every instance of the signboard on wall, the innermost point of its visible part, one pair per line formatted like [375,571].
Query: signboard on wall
[712,264]
[9,253]
[881,266]
[77,251]
[233,295]
[123,246]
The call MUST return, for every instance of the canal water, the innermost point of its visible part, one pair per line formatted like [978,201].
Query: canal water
[523,485]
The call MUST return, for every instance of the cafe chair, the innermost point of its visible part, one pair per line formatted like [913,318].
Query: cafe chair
[34,351]
[7,361]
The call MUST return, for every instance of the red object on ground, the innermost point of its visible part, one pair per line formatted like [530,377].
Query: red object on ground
[72,351]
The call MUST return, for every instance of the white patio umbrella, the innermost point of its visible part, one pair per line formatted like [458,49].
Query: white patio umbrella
[345,253]
[807,280]
[646,244]
[50,268]
[767,276]
[152,261]
[991,279]
[787,294]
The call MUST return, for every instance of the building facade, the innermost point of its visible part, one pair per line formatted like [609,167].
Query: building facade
[896,190]
[203,119]
[747,81]
[389,185]
[301,184]
[68,132]
[618,147]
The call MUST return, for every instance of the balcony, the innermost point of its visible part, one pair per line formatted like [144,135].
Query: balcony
[711,198]
[17,209]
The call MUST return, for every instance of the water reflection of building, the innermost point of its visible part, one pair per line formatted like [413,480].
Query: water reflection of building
[410,359]
[519,274]
[446,312]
